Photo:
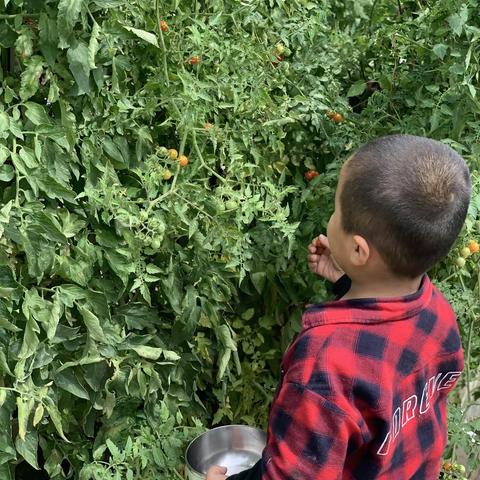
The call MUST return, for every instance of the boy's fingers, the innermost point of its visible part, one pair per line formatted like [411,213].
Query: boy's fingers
[217,470]
[324,241]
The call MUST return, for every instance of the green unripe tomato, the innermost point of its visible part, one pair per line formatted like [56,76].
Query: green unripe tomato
[163,151]
[280,48]
[465,252]
[230,204]
[460,261]
[156,243]
[460,468]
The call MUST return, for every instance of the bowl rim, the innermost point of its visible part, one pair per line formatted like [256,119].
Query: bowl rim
[187,463]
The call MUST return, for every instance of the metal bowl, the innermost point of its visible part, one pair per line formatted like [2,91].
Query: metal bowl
[236,447]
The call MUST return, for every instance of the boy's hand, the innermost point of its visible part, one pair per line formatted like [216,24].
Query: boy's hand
[320,260]
[216,473]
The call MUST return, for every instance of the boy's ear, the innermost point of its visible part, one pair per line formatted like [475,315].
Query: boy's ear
[361,252]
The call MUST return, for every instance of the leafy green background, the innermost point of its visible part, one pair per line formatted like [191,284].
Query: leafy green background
[136,311]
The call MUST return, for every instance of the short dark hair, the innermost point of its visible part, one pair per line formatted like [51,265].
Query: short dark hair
[409,197]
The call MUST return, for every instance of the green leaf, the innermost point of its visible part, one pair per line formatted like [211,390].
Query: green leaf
[36,113]
[28,157]
[78,61]
[4,364]
[357,88]
[147,36]
[28,447]
[67,380]
[4,323]
[7,448]
[258,280]
[113,450]
[71,224]
[154,353]
[4,123]
[6,471]
[47,28]
[55,417]
[440,50]
[93,325]
[38,415]
[6,173]
[30,78]
[30,339]
[458,20]
[55,189]
[24,408]
[47,225]
[4,154]
[93,45]
[68,15]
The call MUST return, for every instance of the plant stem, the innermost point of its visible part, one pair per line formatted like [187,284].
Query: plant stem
[200,157]
[162,42]
[468,357]
[193,205]
[5,16]
[17,178]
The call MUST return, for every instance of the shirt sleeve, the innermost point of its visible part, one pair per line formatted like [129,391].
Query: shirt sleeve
[309,436]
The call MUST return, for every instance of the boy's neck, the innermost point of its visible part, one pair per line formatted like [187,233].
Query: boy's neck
[383,288]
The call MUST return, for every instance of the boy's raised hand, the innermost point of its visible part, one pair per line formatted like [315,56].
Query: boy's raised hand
[216,473]
[320,260]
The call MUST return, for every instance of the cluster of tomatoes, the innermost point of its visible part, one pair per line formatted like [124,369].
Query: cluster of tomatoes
[472,248]
[453,471]
[172,154]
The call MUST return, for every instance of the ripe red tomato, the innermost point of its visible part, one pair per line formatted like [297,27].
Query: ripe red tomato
[310,175]
[194,60]
[280,58]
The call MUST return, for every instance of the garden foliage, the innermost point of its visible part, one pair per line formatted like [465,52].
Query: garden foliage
[142,301]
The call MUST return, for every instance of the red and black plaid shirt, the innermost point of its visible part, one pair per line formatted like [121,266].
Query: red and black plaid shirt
[363,391]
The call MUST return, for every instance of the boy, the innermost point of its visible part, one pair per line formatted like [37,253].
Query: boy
[363,389]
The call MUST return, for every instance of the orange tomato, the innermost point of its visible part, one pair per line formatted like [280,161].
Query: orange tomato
[183,160]
[473,246]
[164,26]
[337,118]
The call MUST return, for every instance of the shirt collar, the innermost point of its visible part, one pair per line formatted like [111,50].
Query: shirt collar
[369,310]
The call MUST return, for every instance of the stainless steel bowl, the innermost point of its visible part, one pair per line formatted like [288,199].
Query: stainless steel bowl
[236,447]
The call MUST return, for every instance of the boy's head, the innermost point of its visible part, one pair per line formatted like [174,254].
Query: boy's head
[401,201]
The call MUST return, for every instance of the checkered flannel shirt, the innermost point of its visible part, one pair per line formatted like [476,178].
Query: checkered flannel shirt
[363,391]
